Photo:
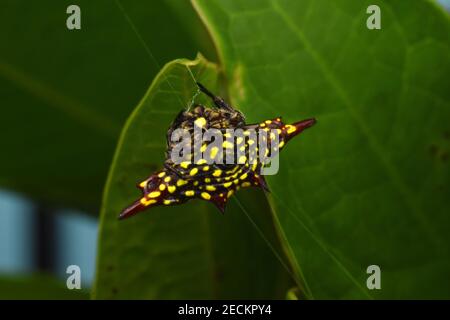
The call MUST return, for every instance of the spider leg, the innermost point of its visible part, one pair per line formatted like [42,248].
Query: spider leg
[218,101]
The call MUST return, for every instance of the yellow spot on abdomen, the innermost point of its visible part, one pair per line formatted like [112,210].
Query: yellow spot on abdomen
[162,187]
[227,145]
[242,159]
[210,188]
[181,182]
[213,152]
[200,122]
[290,128]
[185,164]
[171,189]
[205,195]
[189,193]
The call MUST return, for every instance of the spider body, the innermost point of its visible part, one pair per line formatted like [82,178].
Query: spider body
[204,173]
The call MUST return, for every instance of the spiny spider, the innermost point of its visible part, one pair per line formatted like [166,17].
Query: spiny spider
[207,177]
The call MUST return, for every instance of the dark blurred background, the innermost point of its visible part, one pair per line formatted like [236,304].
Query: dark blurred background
[64,97]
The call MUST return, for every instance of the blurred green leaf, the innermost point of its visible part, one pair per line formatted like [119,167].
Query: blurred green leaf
[369,184]
[190,251]
[36,287]
[293,294]
[65,94]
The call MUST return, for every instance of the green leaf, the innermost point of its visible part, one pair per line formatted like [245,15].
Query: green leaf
[369,184]
[66,94]
[188,251]
[39,286]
